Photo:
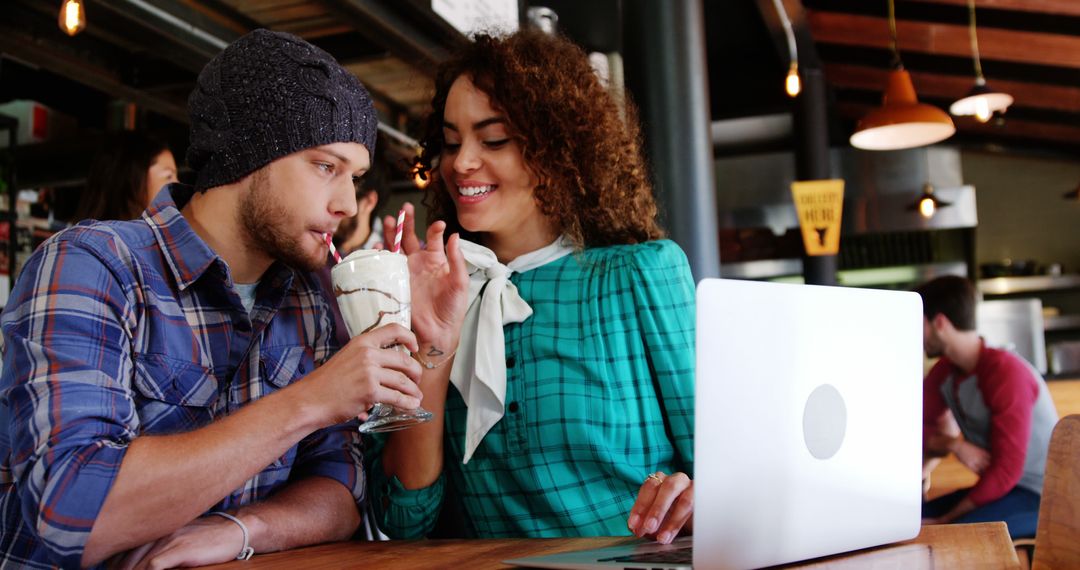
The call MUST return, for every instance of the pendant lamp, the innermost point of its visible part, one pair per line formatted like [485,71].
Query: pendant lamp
[901,121]
[981,101]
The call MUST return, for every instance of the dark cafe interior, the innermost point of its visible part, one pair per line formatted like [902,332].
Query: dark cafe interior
[540,283]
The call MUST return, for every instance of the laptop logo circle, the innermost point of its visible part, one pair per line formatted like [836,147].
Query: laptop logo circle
[824,421]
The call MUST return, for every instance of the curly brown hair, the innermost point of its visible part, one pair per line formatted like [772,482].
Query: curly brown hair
[593,183]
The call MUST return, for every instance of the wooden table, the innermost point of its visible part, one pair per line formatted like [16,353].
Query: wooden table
[984,545]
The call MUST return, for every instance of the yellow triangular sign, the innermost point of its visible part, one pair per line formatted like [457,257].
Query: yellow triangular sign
[819,204]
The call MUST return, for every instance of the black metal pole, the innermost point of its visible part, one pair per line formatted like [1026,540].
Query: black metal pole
[812,160]
[664,48]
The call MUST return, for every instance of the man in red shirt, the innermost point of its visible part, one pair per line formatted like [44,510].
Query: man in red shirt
[1001,405]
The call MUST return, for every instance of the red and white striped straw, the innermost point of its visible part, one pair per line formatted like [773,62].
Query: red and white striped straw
[333,250]
[400,231]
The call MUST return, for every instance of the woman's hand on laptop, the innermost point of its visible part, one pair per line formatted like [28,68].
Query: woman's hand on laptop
[664,507]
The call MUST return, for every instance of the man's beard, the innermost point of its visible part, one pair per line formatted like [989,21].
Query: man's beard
[266,226]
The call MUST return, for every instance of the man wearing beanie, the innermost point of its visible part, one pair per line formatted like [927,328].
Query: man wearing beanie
[168,395]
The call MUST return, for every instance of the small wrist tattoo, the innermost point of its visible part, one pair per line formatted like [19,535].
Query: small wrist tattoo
[434,352]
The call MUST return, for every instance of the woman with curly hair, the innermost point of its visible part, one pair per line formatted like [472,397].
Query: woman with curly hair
[567,407]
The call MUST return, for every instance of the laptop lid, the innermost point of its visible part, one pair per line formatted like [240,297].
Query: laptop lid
[808,435]
[808,413]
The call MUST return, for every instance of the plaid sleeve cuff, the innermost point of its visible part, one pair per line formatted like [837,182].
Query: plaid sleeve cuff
[335,453]
[405,513]
[73,499]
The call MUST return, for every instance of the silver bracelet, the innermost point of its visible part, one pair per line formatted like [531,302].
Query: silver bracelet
[247,551]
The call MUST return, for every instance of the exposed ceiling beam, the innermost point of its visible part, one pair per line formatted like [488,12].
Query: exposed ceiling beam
[945,39]
[191,29]
[25,47]
[398,34]
[955,14]
[225,15]
[1054,97]
[1056,7]
[953,65]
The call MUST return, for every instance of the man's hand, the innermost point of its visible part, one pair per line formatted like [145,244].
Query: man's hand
[207,540]
[664,507]
[439,282]
[364,373]
[972,456]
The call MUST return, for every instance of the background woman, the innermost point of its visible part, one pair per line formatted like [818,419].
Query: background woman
[572,386]
[126,174]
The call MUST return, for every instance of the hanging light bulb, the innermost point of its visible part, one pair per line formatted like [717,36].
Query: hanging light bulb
[419,175]
[72,17]
[981,101]
[982,110]
[927,203]
[793,85]
[419,180]
[927,207]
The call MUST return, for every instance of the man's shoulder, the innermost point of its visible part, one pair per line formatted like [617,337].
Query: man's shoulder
[88,250]
[939,372]
[1005,375]
[999,362]
[107,237]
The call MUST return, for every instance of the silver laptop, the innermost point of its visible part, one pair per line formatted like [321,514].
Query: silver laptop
[808,429]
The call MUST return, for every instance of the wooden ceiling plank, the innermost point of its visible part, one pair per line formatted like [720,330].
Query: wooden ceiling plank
[946,39]
[1058,98]
[253,6]
[322,29]
[301,12]
[1057,7]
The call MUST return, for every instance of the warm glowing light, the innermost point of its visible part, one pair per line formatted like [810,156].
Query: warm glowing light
[72,17]
[982,110]
[419,180]
[793,84]
[927,207]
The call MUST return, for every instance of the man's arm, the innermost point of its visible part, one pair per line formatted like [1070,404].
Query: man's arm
[154,494]
[309,511]
[1009,390]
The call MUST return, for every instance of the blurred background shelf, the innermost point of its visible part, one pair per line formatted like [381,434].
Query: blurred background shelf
[1061,323]
[1028,284]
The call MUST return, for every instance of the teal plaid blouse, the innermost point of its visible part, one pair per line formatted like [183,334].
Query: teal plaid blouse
[600,393]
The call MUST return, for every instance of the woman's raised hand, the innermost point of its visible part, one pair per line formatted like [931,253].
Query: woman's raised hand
[438,279]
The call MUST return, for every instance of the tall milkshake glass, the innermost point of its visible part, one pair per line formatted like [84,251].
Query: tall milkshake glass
[372,290]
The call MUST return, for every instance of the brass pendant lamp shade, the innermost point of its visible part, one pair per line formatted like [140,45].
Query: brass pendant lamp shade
[901,121]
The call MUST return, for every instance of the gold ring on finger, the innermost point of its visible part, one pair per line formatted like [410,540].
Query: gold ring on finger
[655,477]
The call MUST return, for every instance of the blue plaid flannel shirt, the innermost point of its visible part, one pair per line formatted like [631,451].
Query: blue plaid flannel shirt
[119,329]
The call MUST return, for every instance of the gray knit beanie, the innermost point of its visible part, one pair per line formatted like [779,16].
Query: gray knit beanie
[268,95]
